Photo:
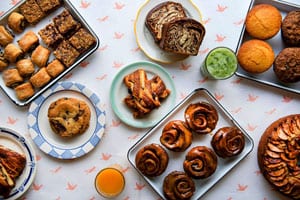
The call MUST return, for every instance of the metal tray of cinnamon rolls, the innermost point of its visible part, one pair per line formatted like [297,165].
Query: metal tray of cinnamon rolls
[194,146]
[40,42]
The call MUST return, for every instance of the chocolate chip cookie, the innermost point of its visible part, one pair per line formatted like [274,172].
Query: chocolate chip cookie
[290,28]
[69,116]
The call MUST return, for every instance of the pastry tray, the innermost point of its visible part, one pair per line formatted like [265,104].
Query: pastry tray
[176,158]
[65,4]
[269,77]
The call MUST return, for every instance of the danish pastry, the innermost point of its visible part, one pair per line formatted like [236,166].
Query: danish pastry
[40,56]
[28,41]
[5,36]
[24,91]
[12,77]
[25,67]
[12,53]
[69,117]
[16,22]
[40,78]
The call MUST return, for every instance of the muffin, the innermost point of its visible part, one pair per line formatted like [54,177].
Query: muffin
[287,65]
[255,56]
[263,21]
[290,28]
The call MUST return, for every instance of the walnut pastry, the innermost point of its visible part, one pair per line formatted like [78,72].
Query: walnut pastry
[200,162]
[228,142]
[152,160]
[177,185]
[201,117]
[279,153]
[176,136]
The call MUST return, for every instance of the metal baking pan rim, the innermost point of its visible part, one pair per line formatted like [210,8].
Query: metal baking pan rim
[148,133]
[86,54]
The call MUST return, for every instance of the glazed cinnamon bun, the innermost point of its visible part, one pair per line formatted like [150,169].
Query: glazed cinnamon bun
[152,160]
[200,162]
[201,117]
[178,185]
[176,136]
[228,142]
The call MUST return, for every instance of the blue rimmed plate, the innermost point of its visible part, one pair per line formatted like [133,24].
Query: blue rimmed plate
[51,143]
[119,91]
[14,141]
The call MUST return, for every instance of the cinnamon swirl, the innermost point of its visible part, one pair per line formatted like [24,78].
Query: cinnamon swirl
[200,162]
[228,142]
[152,160]
[178,185]
[176,136]
[201,117]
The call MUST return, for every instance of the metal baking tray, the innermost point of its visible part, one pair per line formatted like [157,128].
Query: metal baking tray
[176,158]
[269,77]
[66,4]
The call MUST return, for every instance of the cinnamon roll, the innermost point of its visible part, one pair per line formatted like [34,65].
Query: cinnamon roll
[228,142]
[176,136]
[16,22]
[178,185]
[201,117]
[152,160]
[200,162]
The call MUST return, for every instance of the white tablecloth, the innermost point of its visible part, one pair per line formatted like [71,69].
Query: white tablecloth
[252,104]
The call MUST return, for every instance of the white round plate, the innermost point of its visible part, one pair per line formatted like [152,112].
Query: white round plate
[119,91]
[14,141]
[51,143]
[144,38]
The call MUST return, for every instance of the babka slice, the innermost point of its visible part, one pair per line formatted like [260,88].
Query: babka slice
[182,36]
[160,14]
[12,165]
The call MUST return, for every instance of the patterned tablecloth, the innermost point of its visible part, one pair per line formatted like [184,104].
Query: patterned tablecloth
[252,104]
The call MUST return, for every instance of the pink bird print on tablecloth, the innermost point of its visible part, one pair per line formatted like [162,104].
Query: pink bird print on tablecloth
[38,157]
[221,8]
[103,48]
[115,123]
[272,111]
[286,99]
[252,98]
[203,80]
[251,127]
[102,77]
[1,13]
[36,187]
[240,22]
[71,186]
[237,110]
[219,97]
[84,4]
[103,19]
[220,38]
[182,95]
[133,137]
[90,170]
[119,6]
[84,64]
[136,49]
[206,21]
[14,2]
[56,170]
[117,64]
[118,35]
[242,187]
[11,120]
[139,186]
[105,156]
[204,51]
[184,66]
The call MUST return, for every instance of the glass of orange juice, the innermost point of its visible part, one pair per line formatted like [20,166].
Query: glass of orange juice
[109,182]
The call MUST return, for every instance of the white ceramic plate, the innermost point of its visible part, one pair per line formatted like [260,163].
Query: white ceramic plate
[51,143]
[144,38]
[119,91]
[18,143]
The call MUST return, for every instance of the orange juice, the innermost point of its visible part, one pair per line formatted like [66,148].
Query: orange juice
[109,182]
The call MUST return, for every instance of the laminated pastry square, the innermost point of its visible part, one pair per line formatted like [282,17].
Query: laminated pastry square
[11,77]
[24,91]
[32,12]
[25,67]
[28,41]
[50,35]
[13,53]
[66,53]
[82,40]
[16,22]
[65,23]
[3,63]
[40,78]
[5,36]
[48,5]
[40,56]
[54,68]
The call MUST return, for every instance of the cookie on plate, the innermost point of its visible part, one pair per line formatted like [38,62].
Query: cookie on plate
[69,116]
[290,28]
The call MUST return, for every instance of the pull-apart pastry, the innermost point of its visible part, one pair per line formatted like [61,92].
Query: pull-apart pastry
[65,23]
[5,36]
[12,165]
[40,78]
[182,36]
[3,63]
[144,95]
[25,67]
[16,22]
[54,68]
[50,35]
[40,56]
[32,12]
[66,53]
[24,91]
[28,41]
[160,14]
[82,40]
[13,53]
[48,6]
[11,77]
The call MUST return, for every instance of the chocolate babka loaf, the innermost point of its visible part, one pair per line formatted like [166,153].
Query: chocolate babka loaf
[182,36]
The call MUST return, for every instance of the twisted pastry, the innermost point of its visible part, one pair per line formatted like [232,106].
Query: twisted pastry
[201,117]
[152,160]
[178,185]
[200,162]
[228,142]
[176,136]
